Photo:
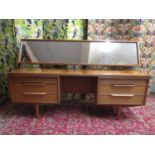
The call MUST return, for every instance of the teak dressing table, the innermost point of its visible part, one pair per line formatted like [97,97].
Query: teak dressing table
[45,86]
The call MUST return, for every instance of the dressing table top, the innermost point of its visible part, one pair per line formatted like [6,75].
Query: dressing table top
[80,72]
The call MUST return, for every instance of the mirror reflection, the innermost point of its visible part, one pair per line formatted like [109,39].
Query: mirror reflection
[81,52]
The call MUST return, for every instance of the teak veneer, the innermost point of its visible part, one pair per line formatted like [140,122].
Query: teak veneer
[110,87]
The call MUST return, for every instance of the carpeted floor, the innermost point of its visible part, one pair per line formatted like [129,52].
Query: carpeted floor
[74,119]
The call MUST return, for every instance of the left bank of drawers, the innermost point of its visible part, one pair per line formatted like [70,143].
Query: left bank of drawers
[34,89]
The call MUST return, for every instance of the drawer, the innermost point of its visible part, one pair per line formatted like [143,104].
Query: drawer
[33,80]
[131,82]
[121,88]
[20,88]
[29,97]
[117,99]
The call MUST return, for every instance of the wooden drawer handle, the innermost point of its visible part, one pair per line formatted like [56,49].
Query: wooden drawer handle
[33,93]
[33,83]
[122,95]
[124,85]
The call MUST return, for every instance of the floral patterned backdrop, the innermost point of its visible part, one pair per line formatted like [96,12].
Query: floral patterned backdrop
[75,29]
[63,29]
[113,29]
[28,29]
[8,54]
[12,31]
[147,48]
[55,28]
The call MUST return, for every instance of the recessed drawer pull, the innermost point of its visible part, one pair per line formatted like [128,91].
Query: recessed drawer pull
[32,93]
[33,83]
[122,95]
[124,85]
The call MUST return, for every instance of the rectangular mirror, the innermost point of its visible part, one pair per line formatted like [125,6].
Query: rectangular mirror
[108,53]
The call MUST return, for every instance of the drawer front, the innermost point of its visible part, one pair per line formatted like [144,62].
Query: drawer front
[131,82]
[33,80]
[117,99]
[34,98]
[128,89]
[20,88]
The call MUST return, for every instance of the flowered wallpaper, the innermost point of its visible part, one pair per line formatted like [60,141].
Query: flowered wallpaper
[55,28]
[8,54]
[12,31]
[76,29]
[28,29]
[64,29]
[113,29]
[147,48]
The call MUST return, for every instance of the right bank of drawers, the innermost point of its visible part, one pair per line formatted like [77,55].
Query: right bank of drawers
[121,91]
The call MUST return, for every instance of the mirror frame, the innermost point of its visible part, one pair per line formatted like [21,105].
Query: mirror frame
[19,62]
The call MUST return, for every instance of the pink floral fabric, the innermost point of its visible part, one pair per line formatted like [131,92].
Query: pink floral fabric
[77,120]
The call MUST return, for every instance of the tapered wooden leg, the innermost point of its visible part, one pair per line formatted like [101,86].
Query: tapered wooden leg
[117,111]
[37,110]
